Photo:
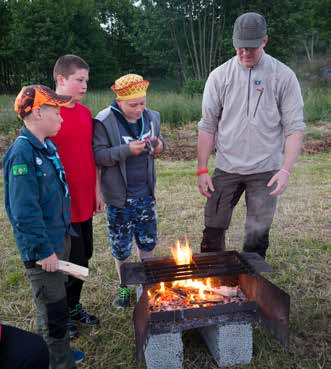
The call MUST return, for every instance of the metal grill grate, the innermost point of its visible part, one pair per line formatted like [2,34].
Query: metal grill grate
[203,266]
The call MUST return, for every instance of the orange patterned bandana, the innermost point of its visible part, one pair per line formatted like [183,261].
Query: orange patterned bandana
[34,96]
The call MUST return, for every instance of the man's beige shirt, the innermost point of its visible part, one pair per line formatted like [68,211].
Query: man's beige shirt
[250,112]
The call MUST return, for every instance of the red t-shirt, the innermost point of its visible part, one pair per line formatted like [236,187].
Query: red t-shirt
[74,142]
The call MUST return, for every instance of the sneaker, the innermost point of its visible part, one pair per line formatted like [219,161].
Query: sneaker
[73,331]
[78,356]
[122,301]
[80,315]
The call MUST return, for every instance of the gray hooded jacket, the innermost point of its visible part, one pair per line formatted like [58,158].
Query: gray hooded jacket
[110,156]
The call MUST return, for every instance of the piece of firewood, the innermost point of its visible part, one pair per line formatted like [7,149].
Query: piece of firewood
[74,270]
[224,290]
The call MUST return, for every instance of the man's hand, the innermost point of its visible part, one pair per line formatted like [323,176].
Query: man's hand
[137,147]
[50,264]
[281,179]
[205,184]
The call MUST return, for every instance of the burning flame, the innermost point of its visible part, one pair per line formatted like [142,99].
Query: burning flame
[182,254]
[162,287]
[189,292]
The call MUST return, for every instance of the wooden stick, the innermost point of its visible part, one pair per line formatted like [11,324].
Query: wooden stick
[74,270]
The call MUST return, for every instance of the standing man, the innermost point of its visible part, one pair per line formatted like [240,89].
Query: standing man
[252,112]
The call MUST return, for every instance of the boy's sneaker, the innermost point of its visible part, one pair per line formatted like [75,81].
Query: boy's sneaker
[78,356]
[122,300]
[73,331]
[80,315]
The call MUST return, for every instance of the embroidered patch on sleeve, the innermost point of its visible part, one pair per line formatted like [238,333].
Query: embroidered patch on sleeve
[20,169]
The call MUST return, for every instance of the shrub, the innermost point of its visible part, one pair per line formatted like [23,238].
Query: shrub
[194,86]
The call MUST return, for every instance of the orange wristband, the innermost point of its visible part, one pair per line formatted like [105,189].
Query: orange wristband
[201,171]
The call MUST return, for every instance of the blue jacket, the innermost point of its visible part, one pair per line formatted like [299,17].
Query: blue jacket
[36,199]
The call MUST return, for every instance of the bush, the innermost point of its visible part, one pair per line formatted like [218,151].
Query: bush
[194,86]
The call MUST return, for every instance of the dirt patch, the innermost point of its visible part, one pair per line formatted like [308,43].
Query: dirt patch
[182,142]
[313,146]
[322,143]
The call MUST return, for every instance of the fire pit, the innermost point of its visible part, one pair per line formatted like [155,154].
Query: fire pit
[220,293]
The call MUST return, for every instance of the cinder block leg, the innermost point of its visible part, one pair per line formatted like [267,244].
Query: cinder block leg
[230,344]
[164,351]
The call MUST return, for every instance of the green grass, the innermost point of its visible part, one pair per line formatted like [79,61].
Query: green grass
[317,104]
[300,254]
[176,108]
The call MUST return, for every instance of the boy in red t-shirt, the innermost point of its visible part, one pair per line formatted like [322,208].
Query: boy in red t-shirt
[74,142]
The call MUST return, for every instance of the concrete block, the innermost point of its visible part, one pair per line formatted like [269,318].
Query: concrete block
[230,343]
[164,351]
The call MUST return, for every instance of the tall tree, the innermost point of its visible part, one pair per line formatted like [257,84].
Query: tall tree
[195,29]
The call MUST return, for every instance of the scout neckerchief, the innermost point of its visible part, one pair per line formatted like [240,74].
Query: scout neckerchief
[57,165]
[119,115]
[50,147]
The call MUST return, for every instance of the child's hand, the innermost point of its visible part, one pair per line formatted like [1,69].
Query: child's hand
[159,147]
[100,205]
[137,147]
[50,264]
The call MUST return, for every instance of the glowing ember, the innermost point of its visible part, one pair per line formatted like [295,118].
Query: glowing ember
[191,292]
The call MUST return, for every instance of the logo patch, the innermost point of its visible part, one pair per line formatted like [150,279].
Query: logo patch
[20,170]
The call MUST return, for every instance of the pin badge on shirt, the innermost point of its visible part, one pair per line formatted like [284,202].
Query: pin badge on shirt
[38,161]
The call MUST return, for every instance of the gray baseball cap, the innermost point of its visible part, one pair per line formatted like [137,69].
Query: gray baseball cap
[249,30]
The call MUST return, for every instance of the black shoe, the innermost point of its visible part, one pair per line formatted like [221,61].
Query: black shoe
[73,331]
[78,314]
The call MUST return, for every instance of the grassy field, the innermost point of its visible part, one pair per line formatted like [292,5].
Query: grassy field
[300,254]
[176,108]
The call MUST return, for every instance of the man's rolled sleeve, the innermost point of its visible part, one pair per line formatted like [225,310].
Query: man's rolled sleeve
[291,107]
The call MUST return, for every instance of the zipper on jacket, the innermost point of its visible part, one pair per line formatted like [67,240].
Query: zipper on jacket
[248,92]
[261,90]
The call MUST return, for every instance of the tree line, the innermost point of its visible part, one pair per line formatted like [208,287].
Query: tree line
[181,39]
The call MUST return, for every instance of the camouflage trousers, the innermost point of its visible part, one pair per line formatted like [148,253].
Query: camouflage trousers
[137,219]
[49,296]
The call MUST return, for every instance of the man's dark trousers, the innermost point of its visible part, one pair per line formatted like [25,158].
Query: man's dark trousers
[260,206]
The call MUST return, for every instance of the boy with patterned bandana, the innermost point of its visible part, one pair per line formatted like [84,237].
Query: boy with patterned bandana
[38,206]
[74,142]
[126,138]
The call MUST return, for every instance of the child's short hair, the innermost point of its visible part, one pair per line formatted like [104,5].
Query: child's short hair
[68,64]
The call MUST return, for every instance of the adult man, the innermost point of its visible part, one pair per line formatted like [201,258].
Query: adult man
[252,111]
